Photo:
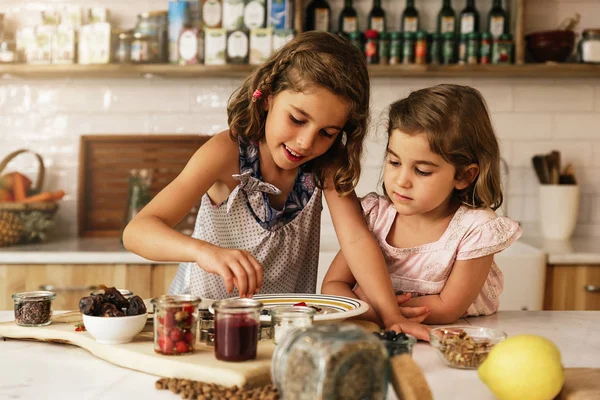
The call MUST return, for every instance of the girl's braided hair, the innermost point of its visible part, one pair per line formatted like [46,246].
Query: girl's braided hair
[311,59]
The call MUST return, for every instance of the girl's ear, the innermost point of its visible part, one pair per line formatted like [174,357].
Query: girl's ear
[267,102]
[466,177]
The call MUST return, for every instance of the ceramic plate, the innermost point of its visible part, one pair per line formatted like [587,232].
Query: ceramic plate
[332,307]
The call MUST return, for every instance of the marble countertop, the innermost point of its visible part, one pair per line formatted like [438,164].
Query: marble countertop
[67,372]
[110,251]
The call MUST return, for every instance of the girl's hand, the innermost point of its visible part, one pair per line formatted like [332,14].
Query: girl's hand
[413,314]
[237,268]
[417,330]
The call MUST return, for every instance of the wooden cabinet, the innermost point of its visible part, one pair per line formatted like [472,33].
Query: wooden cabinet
[572,287]
[71,282]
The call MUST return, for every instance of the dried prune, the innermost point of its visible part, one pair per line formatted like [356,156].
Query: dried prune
[110,310]
[91,305]
[115,297]
[136,306]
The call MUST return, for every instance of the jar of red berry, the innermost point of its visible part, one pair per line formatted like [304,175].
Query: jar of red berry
[175,320]
[237,323]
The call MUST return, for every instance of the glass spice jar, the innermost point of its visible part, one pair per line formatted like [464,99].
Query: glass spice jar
[502,49]
[435,49]
[462,49]
[589,46]
[237,322]
[408,48]
[395,48]
[384,48]
[485,48]
[122,53]
[330,361]
[33,308]
[372,46]
[175,323]
[421,47]
[356,39]
[286,319]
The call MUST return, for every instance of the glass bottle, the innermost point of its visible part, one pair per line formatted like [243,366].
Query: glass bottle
[469,18]
[175,323]
[410,18]
[139,194]
[497,20]
[348,18]
[317,16]
[446,20]
[377,17]
[237,322]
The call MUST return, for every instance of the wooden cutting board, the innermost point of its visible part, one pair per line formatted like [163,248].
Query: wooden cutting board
[139,355]
[581,384]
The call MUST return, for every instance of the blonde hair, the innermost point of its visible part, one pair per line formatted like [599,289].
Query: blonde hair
[312,58]
[458,127]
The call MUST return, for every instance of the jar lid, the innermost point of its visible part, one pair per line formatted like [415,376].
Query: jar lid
[34,296]
[486,35]
[421,34]
[237,305]
[449,36]
[354,35]
[176,300]
[395,35]
[591,31]
[473,36]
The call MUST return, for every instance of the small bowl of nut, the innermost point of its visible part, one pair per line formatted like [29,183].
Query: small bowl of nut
[464,347]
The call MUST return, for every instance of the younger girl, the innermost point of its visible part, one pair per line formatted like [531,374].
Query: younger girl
[435,222]
[297,126]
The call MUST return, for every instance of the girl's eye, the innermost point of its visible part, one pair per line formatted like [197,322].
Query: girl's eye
[394,163]
[422,173]
[326,134]
[296,121]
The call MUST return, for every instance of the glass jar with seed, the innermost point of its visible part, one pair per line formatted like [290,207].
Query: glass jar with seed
[33,308]
[473,48]
[448,49]
[330,361]
[435,48]
[485,48]
[384,48]
[421,47]
[462,49]
[395,48]
[408,48]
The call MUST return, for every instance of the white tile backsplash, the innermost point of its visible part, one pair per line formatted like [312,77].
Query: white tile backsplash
[530,115]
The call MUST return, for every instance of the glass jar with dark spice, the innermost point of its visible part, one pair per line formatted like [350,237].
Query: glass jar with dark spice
[462,49]
[384,48]
[33,308]
[408,48]
[435,48]
[356,39]
[485,48]
[502,49]
[473,48]
[421,47]
[372,46]
[395,48]
[330,361]
[448,49]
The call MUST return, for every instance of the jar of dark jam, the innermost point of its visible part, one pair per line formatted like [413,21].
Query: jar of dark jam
[237,322]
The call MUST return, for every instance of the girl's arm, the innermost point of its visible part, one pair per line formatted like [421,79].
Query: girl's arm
[366,261]
[151,235]
[462,288]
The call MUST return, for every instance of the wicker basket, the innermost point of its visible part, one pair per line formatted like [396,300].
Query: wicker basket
[25,222]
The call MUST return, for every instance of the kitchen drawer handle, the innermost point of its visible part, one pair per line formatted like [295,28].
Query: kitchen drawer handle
[52,288]
[592,288]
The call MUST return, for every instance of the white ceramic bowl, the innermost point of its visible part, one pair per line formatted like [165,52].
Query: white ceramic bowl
[114,330]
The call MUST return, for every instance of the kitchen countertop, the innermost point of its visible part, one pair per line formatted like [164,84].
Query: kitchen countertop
[67,372]
[110,251]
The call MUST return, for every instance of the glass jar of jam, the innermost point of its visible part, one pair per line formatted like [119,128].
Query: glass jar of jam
[237,322]
[286,319]
[175,322]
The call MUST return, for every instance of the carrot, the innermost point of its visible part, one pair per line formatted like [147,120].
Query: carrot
[44,196]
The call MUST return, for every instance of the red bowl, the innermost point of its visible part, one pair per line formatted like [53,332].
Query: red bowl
[554,46]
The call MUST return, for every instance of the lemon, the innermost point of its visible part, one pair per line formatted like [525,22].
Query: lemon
[523,367]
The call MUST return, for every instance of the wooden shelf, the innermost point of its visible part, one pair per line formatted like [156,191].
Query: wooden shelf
[115,71]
